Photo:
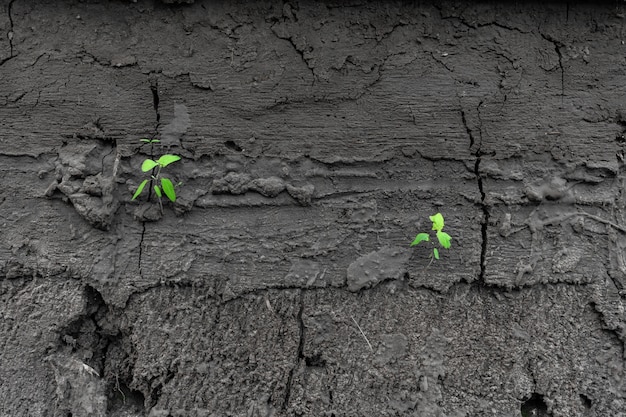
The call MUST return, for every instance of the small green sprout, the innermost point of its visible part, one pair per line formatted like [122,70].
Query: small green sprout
[443,238]
[150,141]
[166,186]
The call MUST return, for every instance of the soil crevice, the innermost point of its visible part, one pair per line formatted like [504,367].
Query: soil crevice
[10,33]
[475,147]
[299,354]
[557,48]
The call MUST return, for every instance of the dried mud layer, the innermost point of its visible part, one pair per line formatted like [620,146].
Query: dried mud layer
[316,139]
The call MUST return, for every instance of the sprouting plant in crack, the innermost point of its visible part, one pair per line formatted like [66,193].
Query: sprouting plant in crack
[160,184]
[443,238]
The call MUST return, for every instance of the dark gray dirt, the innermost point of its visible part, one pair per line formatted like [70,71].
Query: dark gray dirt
[316,139]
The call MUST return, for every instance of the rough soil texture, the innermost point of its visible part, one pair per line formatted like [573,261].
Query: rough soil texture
[316,139]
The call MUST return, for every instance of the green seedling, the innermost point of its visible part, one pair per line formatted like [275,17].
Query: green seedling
[443,238]
[160,184]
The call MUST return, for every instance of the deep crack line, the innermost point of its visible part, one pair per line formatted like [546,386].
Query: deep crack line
[143,232]
[485,221]
[557,49]
[10,33]
[468,130]
[154,87]
[299,355]
[558,52]
[299,51]
[475,150]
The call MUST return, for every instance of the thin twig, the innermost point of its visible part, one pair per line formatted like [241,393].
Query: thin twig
[601,220]
[117,385]
[116,163]
[560,219]
[361,330]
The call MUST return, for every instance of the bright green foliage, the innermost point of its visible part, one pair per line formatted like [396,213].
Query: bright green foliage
[139,189]
[442,237]
[437,220]
[148,165]
[162,162]
[421,237]
[168,189]
[165,160]
[166,186]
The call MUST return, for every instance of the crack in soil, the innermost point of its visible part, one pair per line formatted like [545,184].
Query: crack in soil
[143,232]
[477,153]
[299,51]
[299,355]
[10,33]
[461,19]
[485,222]
[557,48]
[612,330]
[154,87]
[439,61]
[558,51]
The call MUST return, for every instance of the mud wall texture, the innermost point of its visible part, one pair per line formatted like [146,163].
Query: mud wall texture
[316,139]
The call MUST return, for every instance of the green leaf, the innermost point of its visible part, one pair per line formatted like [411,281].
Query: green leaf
[145,140]
[157,190]
[436,253]
[148,164]
[437,220]
[444,239]
[139,189]
[167,159]
[168,189]
[422,237]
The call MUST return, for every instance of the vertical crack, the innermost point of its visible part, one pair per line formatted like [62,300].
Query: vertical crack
[468,130]
[299,51]
[143,232]
[299,355]
[558,51]
[476,151]
[154,87]
[557,48]
[612,329]
[10,33]
[485,221]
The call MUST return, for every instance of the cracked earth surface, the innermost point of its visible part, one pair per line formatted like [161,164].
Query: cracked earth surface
[316,139]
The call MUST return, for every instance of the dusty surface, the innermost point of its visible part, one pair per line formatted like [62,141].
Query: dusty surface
[316,139]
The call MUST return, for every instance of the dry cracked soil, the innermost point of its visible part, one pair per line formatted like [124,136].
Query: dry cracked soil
[316,138]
